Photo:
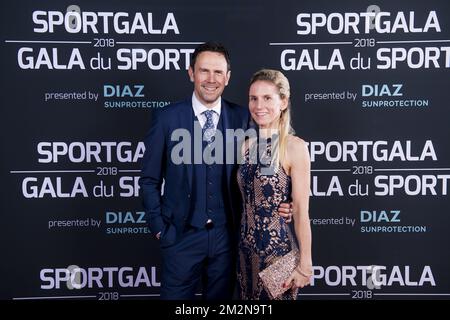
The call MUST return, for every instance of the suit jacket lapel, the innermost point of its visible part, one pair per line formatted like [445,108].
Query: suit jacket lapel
[186,121]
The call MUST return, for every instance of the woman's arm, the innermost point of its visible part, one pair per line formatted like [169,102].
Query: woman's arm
[300,171]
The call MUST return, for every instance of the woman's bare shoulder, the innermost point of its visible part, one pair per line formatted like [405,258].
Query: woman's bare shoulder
[296,143]
[297,149]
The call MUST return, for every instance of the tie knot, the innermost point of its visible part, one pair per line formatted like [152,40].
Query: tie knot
[208,114]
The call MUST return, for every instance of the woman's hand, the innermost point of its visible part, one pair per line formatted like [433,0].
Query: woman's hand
[285,211]
[299,278]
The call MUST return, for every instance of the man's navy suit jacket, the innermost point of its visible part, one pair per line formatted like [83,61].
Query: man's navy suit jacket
[169,213]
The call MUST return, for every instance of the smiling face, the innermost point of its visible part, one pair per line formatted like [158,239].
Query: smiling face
[265,104]
[210,76]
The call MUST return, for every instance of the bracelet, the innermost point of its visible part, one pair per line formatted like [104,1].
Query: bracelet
[299,270]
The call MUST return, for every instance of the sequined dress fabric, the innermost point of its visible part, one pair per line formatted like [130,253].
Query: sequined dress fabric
[264,235]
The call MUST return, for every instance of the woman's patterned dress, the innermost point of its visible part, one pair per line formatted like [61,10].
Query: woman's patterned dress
[264,235]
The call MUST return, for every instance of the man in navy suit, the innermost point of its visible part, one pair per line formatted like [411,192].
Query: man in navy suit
[197,218]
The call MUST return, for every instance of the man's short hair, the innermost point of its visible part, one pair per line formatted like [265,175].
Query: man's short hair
[213,47]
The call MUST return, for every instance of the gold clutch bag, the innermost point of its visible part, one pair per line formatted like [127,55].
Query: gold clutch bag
[276,274]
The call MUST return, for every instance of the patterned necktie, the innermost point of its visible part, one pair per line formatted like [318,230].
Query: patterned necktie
[208,128]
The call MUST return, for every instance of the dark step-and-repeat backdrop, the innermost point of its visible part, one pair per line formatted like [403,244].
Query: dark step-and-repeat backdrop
[370,94]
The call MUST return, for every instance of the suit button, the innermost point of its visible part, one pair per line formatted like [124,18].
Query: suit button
[189,195]
[209,224]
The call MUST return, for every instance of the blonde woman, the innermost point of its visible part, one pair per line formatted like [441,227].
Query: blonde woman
[264,235]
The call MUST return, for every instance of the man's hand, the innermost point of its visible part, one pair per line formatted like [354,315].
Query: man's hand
[158,235]
[285,211]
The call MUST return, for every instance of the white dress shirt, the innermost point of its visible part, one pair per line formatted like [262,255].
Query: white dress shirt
[199,108]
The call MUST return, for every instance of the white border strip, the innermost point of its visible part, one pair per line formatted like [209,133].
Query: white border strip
[53,171]
[305,43]
[413,41]
[157,42]
[329,170]
[51,298]
[414,169]
[411,294]
[45,41]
